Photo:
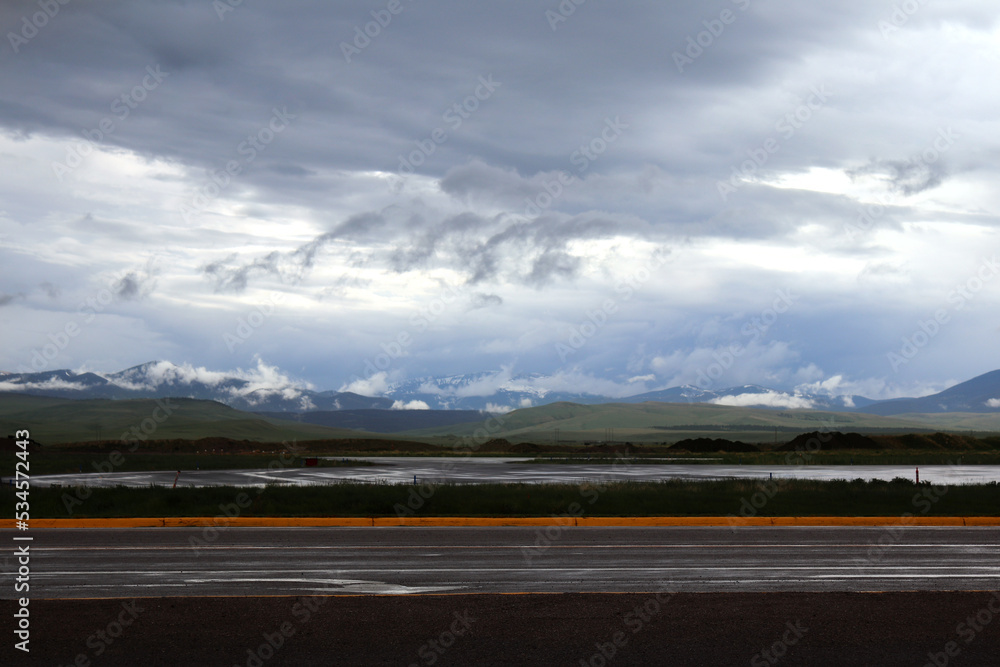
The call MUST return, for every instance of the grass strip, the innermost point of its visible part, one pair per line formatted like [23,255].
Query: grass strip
[785,497]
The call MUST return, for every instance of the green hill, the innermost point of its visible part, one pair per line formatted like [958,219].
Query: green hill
[55,421]
[670,422]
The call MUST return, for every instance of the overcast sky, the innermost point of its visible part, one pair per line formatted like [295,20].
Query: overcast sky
[622,195]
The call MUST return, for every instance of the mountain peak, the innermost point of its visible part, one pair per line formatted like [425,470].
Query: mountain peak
[265,388]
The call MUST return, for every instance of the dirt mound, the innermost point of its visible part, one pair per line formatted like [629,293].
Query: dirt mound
[9,444]
[222,445]
[526,448]
[833,440]
[494,445]
[623,448]
[368,445]
[946,441]
[703,445]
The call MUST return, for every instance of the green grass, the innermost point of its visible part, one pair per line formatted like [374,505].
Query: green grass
[58,463]
[54,421]
[667,498]
[646,422]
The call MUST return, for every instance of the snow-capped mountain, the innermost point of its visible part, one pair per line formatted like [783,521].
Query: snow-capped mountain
[488,390]
[752,395]
[266,389]
[261,389]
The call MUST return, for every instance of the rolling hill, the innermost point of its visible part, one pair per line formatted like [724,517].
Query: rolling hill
[54,421]
[674,421]
[980,394]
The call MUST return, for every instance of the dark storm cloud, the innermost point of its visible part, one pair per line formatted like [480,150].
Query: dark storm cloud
[604,60]
[52,291]
[484,249]
[541,241]
[480,300]
[232,275]
[426,240]
[478,180]
[552,264]
[907,177]
[327,199]
[134,285]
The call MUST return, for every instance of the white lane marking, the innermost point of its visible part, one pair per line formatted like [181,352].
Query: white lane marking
[344,585]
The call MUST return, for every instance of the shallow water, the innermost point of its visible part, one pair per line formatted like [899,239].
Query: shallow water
[401,470]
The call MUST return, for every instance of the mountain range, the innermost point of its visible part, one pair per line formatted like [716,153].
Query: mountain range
[491,391]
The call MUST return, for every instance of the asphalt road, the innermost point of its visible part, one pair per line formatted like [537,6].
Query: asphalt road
[700,596]
[81,563]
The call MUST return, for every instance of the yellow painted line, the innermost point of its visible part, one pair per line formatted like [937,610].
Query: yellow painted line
[654,521]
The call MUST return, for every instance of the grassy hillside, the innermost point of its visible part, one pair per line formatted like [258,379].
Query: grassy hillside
[671,422]
[54,421]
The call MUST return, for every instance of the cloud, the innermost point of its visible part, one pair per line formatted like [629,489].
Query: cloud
[538,386]
[232,275]
[993,403]
[131,286]
[410,405]
[907,177]
[50,384]
[525,202]
[768,399]
[376,385]
[480,300]
[254,385]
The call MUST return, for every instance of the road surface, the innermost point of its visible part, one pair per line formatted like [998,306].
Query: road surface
[75,563]
[700,596]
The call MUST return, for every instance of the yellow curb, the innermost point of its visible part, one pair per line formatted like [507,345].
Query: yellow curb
[475,521]
[649,521]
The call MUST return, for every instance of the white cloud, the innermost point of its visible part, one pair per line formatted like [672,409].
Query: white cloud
[263,381]
[50,384]
[993,403]
[376,385]
[410,405]
[769,399]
